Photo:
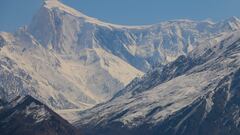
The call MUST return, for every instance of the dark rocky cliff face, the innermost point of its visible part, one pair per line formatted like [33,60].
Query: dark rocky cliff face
[28,116]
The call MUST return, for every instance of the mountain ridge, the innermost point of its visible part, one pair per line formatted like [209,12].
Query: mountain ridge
[26,115]
[197,93]
[68,61]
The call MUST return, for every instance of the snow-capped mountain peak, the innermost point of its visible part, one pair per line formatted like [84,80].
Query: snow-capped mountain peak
[71,61]
[56,4]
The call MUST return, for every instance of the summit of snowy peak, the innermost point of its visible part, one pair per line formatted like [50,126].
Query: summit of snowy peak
[60,40]
[52,4]
[56,4]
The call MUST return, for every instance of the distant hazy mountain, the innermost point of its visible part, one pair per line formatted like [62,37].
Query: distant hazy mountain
[68,60]
[197,94]
[27,116]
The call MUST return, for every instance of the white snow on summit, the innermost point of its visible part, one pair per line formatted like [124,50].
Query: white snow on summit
[71,61]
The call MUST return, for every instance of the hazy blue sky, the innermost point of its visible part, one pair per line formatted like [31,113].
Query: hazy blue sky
[15,13]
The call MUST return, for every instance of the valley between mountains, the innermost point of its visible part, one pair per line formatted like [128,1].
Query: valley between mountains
[70,74]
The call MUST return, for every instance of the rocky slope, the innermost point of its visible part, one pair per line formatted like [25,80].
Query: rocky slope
[195,95]
[27,116]
[68,60]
